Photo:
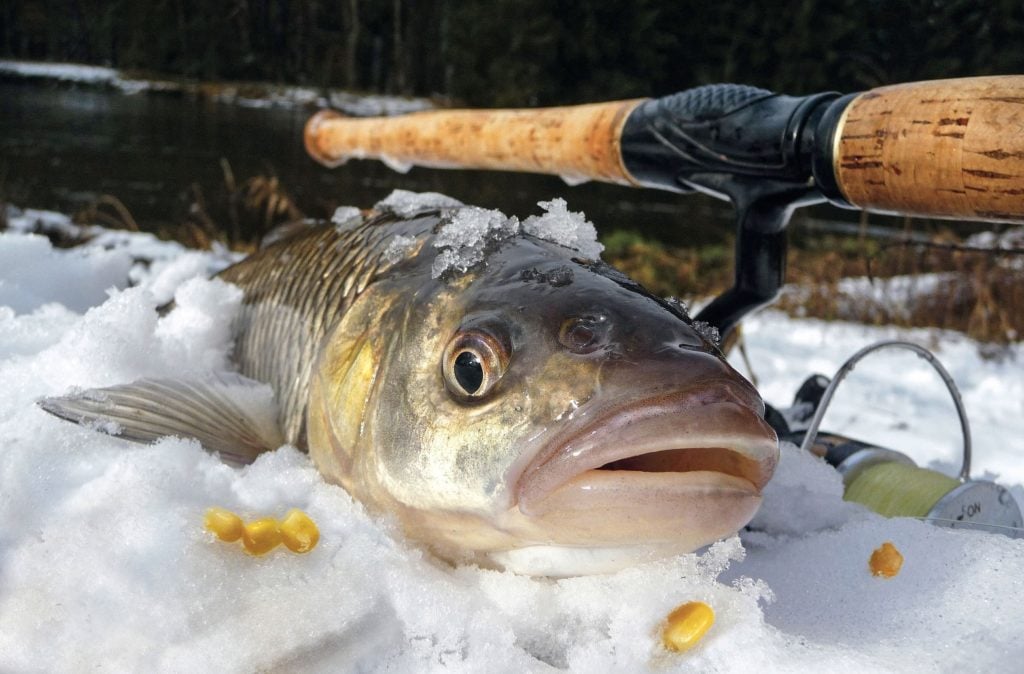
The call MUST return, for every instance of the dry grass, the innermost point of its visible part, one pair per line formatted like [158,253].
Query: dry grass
[670,270]
[942,282]
[236,215]
[108,211]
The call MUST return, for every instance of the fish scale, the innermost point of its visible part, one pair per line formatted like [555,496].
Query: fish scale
[295,290]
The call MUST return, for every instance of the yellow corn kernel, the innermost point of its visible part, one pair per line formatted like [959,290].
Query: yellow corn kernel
[686,625]
[299,532]
[225,524]
[886,561]
[261,536]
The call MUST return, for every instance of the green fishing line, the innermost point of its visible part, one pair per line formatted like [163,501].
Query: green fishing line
[897,489]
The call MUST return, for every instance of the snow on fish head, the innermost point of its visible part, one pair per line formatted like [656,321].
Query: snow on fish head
[539,412]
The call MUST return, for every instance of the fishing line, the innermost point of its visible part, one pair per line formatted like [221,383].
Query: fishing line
[897,489]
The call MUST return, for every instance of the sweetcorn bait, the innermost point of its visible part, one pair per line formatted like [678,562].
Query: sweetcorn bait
[297,531]
[226,525]
[686,625]
[885,561]
[261,536]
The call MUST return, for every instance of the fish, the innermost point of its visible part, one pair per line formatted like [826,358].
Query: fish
[508,398]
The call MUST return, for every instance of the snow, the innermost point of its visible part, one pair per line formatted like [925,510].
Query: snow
[368,105]
[560,225]
[104,563]
[399,247]
[244,94]
[1011,239]
[27,261]
[83,74]
[113,258]
[464,239]
[346,217]
[67,72]
[470,232]
[405,204]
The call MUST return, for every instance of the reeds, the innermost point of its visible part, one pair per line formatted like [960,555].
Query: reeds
[237,214]
[974,286]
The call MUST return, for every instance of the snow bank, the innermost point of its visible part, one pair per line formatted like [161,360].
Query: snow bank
[27,263]
[113,258]
[245,94]
[66,72]
[104,562]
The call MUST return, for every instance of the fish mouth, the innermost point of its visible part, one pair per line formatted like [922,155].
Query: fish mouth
[682,463]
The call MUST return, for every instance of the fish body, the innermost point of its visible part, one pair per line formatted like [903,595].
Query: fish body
[532,409]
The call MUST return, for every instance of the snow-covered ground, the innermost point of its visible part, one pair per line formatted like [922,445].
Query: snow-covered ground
[252,95]
[104,563]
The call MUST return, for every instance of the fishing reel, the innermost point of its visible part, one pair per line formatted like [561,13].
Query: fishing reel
[890,482]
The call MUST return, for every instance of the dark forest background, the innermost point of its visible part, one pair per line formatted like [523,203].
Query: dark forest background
[527,52]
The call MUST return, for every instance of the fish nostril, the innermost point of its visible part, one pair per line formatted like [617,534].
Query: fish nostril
[584,334]
[579,337]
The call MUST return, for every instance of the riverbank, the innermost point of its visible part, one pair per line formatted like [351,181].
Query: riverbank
[247,94]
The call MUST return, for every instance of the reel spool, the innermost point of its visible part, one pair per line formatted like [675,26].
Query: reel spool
[889,482]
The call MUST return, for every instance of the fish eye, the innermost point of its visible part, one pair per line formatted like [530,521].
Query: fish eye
[473,363]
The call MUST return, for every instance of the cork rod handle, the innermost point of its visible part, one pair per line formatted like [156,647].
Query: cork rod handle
[946,148]
[577,142]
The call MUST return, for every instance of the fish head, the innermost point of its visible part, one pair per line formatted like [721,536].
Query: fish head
[542,413]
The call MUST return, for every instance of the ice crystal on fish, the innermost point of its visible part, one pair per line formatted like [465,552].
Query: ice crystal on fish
[399,248]
[345,217]
[564,227]
[678,306]
[405,204]
[464,240]
[708,332]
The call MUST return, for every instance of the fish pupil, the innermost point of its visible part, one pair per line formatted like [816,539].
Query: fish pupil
[469,372]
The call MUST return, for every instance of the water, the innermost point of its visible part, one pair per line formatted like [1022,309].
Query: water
[62,147]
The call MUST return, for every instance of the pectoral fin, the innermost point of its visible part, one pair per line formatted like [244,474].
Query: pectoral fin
[225,412]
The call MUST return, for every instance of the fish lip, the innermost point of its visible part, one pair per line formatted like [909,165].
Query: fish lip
[585,445]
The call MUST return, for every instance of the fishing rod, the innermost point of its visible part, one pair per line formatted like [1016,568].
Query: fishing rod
[942,149]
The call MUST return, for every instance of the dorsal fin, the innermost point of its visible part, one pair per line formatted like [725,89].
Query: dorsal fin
[225,412]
